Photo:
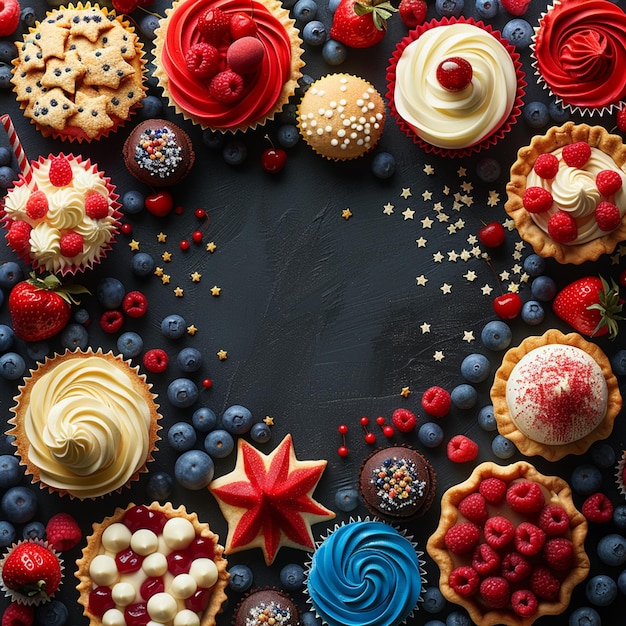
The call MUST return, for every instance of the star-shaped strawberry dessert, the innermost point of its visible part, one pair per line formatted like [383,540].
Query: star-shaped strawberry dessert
[267,500]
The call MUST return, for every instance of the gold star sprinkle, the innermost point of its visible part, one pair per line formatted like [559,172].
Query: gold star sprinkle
[178,292]
[268,420]
[406,192]
[134,245]
[346,214]
[167,256]
[211,247]
[406,392]
[468,335]
[421,280]
[222,355]
[165,279]
[215,290]
[425,328]
[427,222]
[438,356]
[158,272]
[421,242]
[191,330]
[429,170]
[388,209]
[161,237]
[195,277]
[408,213]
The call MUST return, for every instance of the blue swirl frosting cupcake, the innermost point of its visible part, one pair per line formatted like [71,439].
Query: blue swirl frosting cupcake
[364,572]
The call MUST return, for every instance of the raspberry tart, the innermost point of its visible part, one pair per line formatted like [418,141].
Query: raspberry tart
[509,545]
[567,193]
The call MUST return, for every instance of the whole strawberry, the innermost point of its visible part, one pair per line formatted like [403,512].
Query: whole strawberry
[591,306]
[31,569]
[361,23]
[41,307]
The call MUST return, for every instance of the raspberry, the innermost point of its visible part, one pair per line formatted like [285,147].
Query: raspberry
[135,304]
[436,401]
[412,12]
[60,173]
[63,532]
[492,489]
[461,449]
[473,507]
[37,205]
[155,360]
[226,87]
[96,205]
[125,6]
[608,182]
[524,602]
[515,7]
[529,539]
[18,237]
[111,321]
[516,567]
[598,508]
[18,615]
[558,553]
[544,584]
[464,580]
[462,538]
[202,60]
[485,560]
[553,520]
[576,154]
[213,24]
[620,120]
[607,216]
[70,244]
[546,165]
[495,591]
[537,199]
[499,531]
[404,420]
[525,497]
[562,227]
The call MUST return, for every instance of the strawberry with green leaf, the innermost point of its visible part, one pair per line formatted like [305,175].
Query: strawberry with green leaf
[361,23]
[590,305]
[41,307]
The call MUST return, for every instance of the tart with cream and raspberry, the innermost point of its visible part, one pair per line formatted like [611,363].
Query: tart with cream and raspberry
[152,563]
[509,545]
[567,193]
[555,395]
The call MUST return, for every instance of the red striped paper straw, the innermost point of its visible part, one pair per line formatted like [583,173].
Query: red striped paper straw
[18,150]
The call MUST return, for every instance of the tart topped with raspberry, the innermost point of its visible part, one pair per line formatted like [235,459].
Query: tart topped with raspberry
[567,193]
[509,545]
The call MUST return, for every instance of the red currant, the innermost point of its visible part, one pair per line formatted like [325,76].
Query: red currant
[454,73]
[184,244]
[380,420]
[200,213]
[160,203]
[127,229]
[207,383]
[365,420]
[197,236]
[342,451]
[388,431]
[343,429]
[507,306]
[492,234]
[273,160]
[370,438]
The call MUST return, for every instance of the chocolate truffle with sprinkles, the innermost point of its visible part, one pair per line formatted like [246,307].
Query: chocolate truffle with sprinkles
[397,483]
[158,153]
[263,607]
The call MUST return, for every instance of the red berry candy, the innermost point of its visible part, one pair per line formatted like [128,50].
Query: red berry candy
[546,165]
[184,245]
[136,614]
[436,401]
[159,203]
[576,154]
[111,321]
[135,304]
[141,516]
[155,360]
[507,306]
[461,449]
[63,532]
[492,234]
[128,561]
[196,236]
[454,73]
[404,420]
[101,600]
[273,160]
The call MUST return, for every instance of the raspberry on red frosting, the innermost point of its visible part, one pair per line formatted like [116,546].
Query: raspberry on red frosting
[462,538]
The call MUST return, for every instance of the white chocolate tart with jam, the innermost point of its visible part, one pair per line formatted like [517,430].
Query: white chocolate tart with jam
[555,395]
[85,424]
[576,193]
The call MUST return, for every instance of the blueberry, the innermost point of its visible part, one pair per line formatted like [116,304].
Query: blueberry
[37,350]
[449,8]
[11,471]
[586,479]
[488,169]
[74,336]
[619,516]
[557,112]
[34,530]
[53,613]
[306,80]
[502,447]
[292,577]
[10,274]
[159,487]
[288,135]
[486,419]
[534,265]
[347,499]
[384,165]
[314,33]
[308,618]
[612,549]
[464,396]
[189,359]
[194,469]
[133,202]
[519,33]
[81,316]
[543,288]
[434,602]
[219,443]
[5,83]
[241,578]
[148,24]
[181,436]
[234,152]
[110,292]
[27,15]
[237,420]
[182,392]
[496,335]
[334,52]
[532,313]
[618,362]
[536,114]
[19,504]
[305,11]
[212,139]
[8,533]
[430,434]
[173,326]
[203,419]
[260,432]
[7,337]
[603,454]
[129,344]
[6,156]
[621,582]
[475,368]
[12,366]
[151,108]
[584,616]
[289,114]
[458,618]
[8,52]
[601,590]
[487,8]
[142,264]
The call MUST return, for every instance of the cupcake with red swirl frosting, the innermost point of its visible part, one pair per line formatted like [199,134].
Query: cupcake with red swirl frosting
[579,49]
[228,65]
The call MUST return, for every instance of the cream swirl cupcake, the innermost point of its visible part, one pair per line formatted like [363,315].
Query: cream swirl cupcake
[85,423]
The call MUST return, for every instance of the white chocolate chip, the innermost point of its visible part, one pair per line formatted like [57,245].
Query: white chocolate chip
[116,537]
[103,570]
[186,618]
[162,607]
[113,617]
[204,572]
[144,541]
[178,533]
[123,594]
[154,564]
